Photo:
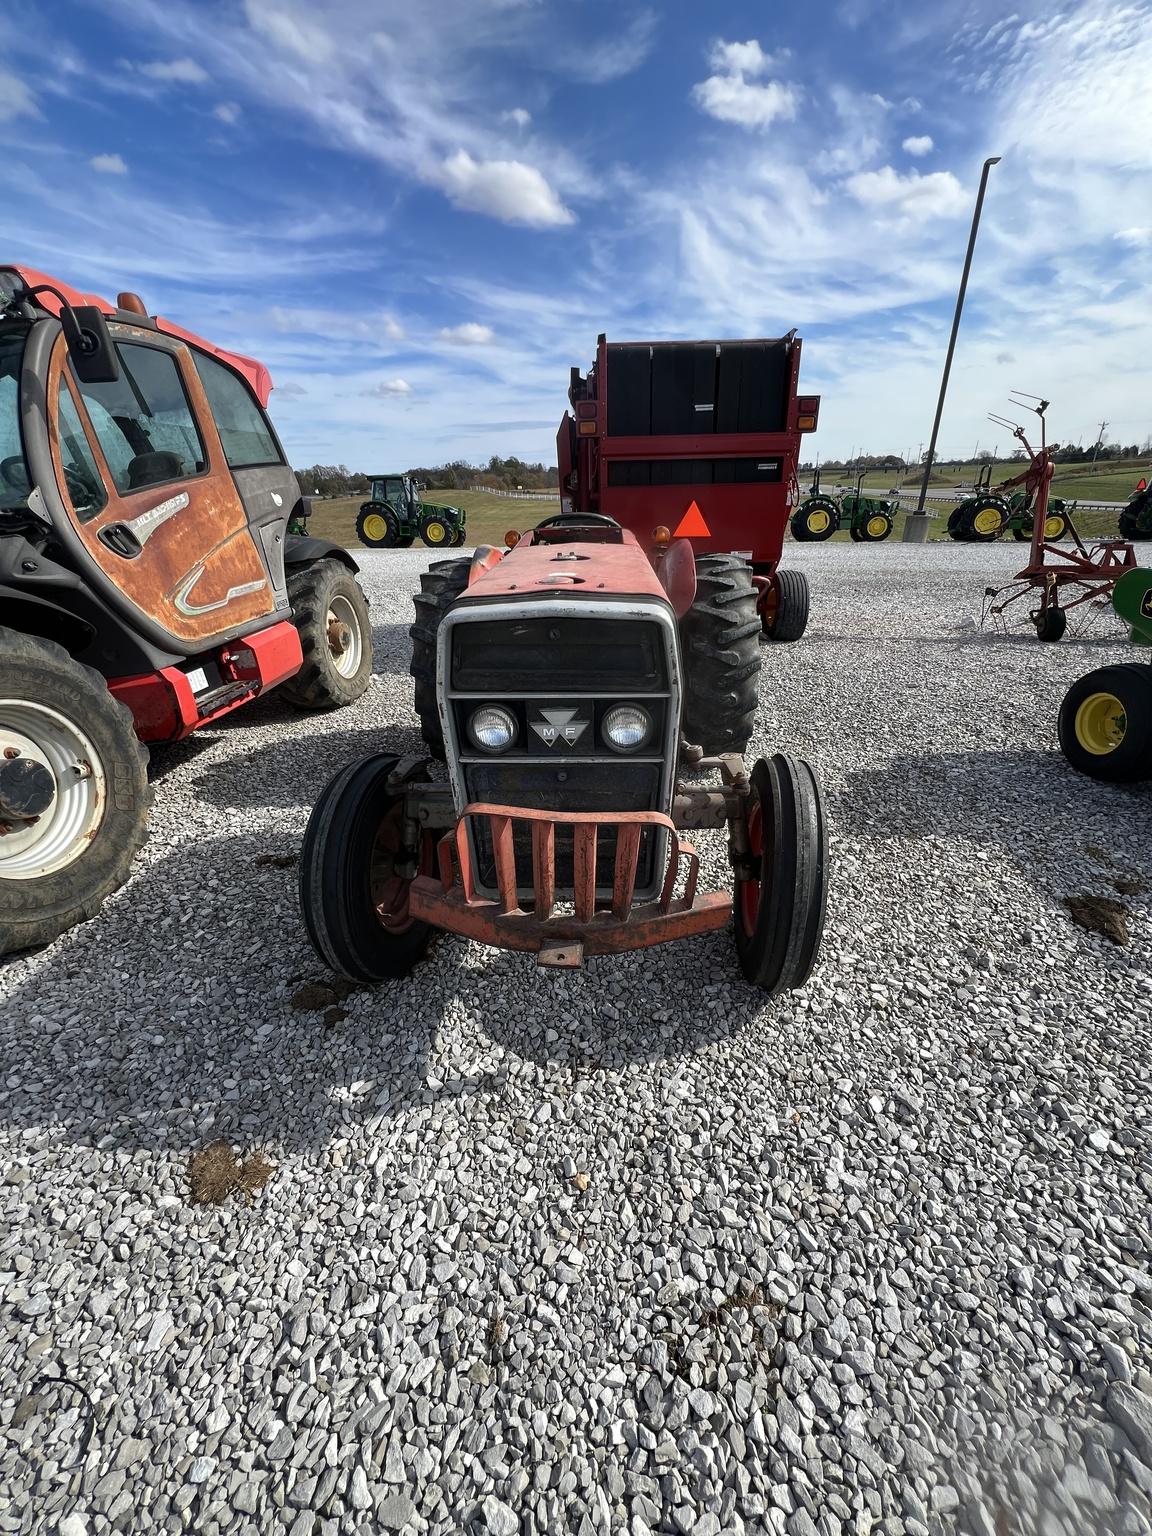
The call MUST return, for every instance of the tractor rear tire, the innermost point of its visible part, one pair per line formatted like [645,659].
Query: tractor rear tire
[814,520]
[354,906]
[955,529]
[70,836]
[377,526]
[719,637]
[778,913]
[784,608]
[1136,518]
[1050,622]
[440,585]
[1105,726]
[331,616]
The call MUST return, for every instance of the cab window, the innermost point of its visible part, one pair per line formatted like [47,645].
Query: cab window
[144,421]
[244,433]
[82,483]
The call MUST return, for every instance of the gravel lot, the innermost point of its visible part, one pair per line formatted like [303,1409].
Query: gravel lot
[872,1258]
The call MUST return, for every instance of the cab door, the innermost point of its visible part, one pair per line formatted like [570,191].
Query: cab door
[146,484]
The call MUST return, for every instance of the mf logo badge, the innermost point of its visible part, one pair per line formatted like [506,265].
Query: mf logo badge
[560,725]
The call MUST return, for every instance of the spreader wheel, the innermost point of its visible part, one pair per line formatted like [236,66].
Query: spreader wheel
[778,911]
[1106,724]
[784,606]
[377,526]
[354,879]
[1050,622]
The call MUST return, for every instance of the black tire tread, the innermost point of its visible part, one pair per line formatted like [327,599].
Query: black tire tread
[318,685]
[1131,763]
[440,585]
[719,642]
[793,607]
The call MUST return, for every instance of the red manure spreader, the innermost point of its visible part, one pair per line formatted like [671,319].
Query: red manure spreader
[697,440]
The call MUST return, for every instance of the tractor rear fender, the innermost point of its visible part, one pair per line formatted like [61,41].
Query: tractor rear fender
[677,573]
[484,558]
[301,549]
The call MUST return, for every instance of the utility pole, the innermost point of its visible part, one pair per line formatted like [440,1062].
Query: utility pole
[1099,440]
[916,527]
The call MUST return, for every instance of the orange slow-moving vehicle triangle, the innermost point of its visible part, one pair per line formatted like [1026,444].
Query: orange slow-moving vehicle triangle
[692,525]
[1143,485]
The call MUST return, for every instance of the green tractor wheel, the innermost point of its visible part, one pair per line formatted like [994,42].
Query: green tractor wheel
[1136,518]
[985,519]
[1106,724]
[377,526]
[874,526]
[458,537]
[436,531]
[955,528]
[816,519]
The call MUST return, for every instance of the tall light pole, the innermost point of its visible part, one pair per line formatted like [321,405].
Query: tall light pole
[916,527]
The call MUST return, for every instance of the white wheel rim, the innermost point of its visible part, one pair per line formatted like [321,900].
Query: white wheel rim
[342,620]
[57,838]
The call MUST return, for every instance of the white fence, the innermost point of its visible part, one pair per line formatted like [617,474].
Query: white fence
[517,495]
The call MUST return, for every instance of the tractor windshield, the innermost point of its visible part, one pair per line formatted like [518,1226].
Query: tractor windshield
[15,482]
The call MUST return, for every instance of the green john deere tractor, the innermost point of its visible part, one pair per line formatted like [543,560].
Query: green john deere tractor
[819,517]
[1136,518]
[988,515]
[1106,718]
[394,516]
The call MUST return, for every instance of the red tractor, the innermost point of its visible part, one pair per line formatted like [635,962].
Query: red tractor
[566,683]
[699,440]
[150,582]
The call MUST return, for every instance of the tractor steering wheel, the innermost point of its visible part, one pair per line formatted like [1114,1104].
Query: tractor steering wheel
[579,520]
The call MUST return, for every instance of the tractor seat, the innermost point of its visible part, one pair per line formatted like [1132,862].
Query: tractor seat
[153,468]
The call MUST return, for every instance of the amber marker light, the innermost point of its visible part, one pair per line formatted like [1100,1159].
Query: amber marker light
[661,534]
[512,538]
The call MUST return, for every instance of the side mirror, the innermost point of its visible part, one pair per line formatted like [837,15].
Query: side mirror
[89,344]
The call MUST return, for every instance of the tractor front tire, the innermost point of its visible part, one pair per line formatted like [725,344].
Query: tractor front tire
[331,616]
[436,531]
[778,909]
[719,637]
[1105,726]
[377,526]
[459,537]
[353,901]
[784,606]
[74,792]
[440,585]
[875,528]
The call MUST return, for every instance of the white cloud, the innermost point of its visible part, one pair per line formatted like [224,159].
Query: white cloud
[598,62]
[389,389]
[186,71]
[227,112]
[16,100]
[290,391]
[936,195]
[470,334]
[1137,238]
[919,144]
[505,189]
[519,116]
[732,97]
[109,165]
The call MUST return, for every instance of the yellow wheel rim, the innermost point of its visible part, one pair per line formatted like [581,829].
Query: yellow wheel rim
[818,520]
[1101,724]
[435,532]
[375,528]
[987,520]
[1053,526]
[877,527]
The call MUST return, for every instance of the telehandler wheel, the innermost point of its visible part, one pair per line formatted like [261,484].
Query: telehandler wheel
[720,641]
[331,614]
[784,606]
[435,532]
[440,585]
[377,526]
[352,898]
[816,519]
[74,792]
[1105,724]
[1050,622]
[778,912]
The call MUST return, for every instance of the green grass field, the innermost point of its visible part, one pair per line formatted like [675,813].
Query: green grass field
[1111,482]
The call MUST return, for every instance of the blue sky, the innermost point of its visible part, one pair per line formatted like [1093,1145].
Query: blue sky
[419,215]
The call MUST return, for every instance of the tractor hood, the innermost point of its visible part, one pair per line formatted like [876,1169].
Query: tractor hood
[569,570]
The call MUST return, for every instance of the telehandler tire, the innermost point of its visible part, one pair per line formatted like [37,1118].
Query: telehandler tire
[331,615]
[74,793]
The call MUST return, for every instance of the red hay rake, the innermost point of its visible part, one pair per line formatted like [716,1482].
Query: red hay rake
[1062,578]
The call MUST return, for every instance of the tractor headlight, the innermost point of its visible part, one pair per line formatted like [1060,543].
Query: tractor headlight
[492,728]
[627,727]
